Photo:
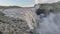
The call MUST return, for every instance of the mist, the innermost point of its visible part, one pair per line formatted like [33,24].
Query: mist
[45,1]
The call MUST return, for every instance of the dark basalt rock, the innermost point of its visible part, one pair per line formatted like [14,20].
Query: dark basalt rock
[1,32]
[39,11]
[1,13]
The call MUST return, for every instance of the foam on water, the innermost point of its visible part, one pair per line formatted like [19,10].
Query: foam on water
[50,24]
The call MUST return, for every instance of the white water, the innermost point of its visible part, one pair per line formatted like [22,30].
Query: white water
[50,24]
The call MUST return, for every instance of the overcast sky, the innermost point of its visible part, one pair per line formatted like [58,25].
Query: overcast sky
[24,2]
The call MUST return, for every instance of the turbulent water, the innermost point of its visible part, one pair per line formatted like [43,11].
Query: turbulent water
[50,24]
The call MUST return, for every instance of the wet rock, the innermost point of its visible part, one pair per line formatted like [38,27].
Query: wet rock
[1,13]
[39,11]
[1,32]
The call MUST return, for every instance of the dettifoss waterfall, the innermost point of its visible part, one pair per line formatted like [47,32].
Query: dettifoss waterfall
[49,21]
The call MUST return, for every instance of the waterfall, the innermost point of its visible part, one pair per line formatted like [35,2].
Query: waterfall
[49,24]
[49,21]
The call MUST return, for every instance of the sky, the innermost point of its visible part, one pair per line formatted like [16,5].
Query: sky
[24,3]
[17,2]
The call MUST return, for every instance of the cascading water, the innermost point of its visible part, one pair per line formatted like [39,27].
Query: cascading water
[49,21]
[49,24]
